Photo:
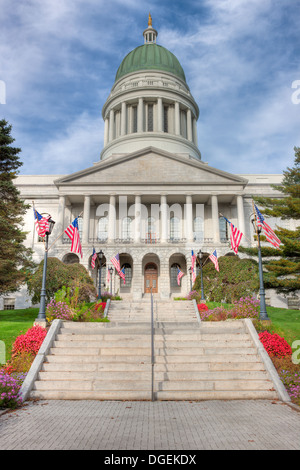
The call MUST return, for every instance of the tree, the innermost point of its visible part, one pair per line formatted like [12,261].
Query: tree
[61,275]
[283,265]
[15,258]
[236,278]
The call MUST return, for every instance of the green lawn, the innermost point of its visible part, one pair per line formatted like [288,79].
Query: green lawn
[13,323]
[286,323]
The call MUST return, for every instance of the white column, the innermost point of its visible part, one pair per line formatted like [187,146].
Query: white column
[240,214]
[86,219]
[61,214]
[159,115]
[140,115]
[137,219]
[112,219]
[123,118]
[195,140]
[189,218]
[189,125]
[177,118]
[111,125]
[215,219]
[106,131]
[164,218]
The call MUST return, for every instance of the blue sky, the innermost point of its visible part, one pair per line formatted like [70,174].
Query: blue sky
[58,60]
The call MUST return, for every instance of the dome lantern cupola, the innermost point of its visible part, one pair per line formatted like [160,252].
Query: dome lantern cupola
[150,34]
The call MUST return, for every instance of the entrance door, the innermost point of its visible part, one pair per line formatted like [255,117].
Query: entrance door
[151,277]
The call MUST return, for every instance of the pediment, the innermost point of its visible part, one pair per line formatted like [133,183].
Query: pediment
[151,166]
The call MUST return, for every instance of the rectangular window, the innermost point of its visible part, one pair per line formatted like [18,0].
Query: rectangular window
[9,303]
[134,119]
[166,109]
[150,117]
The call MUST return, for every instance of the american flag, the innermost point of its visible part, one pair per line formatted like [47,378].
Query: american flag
[270,235]
[94,257]
[214,258]
[193,276]
[41,223]
[116,262]
[179,275]
[193,259]
[73,233]
[235,236]
[122,274]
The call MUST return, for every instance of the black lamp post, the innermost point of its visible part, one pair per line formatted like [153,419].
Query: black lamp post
[263,310]
[42,311]
[191,285]
[100,257]
[111,269]
[200,256]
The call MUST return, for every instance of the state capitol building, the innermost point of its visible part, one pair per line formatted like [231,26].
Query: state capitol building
[150,197]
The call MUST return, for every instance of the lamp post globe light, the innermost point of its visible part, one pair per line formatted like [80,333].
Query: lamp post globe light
[200,256]
[42,312]
[263,310]
[100,257]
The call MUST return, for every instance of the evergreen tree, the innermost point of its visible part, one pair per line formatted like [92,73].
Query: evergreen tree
[283,270]
[15,258]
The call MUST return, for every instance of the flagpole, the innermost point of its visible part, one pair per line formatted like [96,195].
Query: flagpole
[63,232]
[262,298]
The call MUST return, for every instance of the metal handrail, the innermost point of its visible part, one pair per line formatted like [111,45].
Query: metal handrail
[152,349]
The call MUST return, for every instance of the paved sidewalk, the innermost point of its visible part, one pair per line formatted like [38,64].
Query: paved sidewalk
[125,425]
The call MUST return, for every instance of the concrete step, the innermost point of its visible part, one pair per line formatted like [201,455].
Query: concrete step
[169,376]
[199,367]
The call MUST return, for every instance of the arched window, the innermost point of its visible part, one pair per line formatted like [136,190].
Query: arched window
[102,228]
[126,228]
[150,230]
[223,229]
[175,228]
[173,275]
[198,229]
[80,225]
[128,275]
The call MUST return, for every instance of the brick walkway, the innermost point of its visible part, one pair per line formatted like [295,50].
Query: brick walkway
[117,425]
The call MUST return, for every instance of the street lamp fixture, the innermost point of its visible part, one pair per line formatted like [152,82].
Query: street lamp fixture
[200,256]
[111,269]
[100,255]
[263,310]
[42,312]
[191,284]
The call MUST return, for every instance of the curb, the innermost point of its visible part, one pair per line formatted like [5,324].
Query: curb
[280,388]
[39,359]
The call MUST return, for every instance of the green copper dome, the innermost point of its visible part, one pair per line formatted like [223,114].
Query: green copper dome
[150,56]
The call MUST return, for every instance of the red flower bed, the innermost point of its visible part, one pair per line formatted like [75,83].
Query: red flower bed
[100,304]
[31,341]
[202,307]
[274,344]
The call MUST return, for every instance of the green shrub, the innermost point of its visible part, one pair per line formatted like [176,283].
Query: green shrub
[237,278]
[61,275]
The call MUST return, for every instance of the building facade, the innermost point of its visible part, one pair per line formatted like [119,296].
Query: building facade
[150,197]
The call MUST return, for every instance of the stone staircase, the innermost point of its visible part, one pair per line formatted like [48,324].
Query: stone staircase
[112,361]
